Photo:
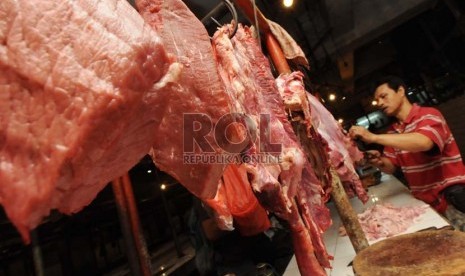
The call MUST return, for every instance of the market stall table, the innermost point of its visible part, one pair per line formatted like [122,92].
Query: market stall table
[390,190]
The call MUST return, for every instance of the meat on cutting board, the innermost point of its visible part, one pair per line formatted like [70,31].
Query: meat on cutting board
[386,220]
[75,106]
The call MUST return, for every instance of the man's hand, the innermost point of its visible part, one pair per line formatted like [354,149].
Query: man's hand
[373,157]
[359,132]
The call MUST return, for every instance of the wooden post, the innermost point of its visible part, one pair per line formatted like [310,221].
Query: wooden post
[346,213]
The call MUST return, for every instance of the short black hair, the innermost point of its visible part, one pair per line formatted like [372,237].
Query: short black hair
[392,82]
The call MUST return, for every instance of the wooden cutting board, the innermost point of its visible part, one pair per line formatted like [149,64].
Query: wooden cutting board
[428,253]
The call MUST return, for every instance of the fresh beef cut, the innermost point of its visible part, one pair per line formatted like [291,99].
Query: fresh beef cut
[325,132]
[244,78]
[386,220]
[199,93]
[341,150]
[75,107]
[277,180]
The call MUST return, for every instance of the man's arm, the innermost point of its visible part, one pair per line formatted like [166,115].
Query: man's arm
[413,142]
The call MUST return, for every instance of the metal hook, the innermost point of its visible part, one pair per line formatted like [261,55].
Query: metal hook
[216,12]
[233,11]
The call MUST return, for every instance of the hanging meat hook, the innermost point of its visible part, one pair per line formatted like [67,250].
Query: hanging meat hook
[217,10]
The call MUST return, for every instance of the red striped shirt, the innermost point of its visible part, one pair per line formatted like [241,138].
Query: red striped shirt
[428,173]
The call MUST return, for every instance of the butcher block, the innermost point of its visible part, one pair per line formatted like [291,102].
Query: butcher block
[427,253]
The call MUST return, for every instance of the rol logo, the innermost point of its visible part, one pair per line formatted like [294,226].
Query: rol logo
[233,136]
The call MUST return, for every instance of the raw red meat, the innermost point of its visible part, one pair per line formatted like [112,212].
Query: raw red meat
[342,152]
[296,103]
[198,91]
[339,156]
[303,246]
[386,220]
[75,111]
[295,99]
[247,75]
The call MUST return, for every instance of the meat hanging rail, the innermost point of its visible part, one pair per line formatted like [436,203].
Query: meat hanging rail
[341,200]
[37,254]
[138,257]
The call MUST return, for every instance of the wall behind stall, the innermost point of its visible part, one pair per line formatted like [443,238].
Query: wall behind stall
[453,112]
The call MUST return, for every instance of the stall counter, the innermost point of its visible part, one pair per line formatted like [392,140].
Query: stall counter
[390,190]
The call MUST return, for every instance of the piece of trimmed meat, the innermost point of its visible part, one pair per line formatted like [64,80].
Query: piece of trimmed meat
[386,220]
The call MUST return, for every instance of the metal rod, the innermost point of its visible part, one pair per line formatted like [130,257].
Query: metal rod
[217,11]
[249,11]
[37,254]
[123,214]
[173,230]
[139,241]
[233,11]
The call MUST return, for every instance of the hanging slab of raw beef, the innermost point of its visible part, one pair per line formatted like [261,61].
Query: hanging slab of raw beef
[199,90]
[279,186]
[77,105]
[247,77]
[341,151]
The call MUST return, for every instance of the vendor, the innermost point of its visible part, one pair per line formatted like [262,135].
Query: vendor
[421,144]
[230,253]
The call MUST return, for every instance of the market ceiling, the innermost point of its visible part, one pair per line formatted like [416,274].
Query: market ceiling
[345,41]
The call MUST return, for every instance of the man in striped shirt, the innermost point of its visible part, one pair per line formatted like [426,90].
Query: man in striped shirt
[421,144]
